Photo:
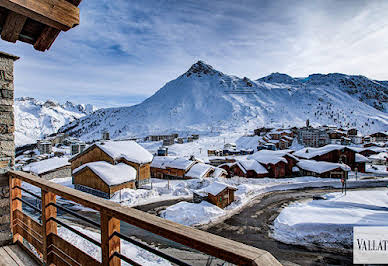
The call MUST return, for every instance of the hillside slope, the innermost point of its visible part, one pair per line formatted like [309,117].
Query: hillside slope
[206,100]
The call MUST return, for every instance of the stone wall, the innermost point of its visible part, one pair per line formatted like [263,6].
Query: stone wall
[7,145]
[60,173]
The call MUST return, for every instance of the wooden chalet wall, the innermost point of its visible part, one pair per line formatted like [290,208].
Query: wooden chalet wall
[277,170]
[88,178]
[143,170]
[95,154]
[223,199]
[335,173]
[346,156]
[291,162]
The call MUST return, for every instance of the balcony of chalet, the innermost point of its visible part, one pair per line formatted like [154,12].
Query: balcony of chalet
[31,219]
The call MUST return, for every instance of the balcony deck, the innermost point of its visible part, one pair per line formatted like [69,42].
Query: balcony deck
[14,255]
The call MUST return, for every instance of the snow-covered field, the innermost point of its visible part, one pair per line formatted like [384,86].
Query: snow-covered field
[329,223]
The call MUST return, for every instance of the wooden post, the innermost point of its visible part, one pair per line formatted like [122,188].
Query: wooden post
[15,204]
[109,243]
[48,226]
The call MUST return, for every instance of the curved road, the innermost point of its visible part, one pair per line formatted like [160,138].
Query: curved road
[252,225]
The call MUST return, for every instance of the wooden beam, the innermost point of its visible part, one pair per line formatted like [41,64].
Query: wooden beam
[48,226]
[49,34]
[15,205]
[109,243]
[12,27]
[58,14]
[46,38]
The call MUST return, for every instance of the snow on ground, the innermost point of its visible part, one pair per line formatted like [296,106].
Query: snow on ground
[330,222]
[129,250]
[377,169]
[187,213]
[193,214]
[199,147]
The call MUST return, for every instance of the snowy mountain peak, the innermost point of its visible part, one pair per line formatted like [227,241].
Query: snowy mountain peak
[35,118]
[279,78]
[217,102]
[201,68]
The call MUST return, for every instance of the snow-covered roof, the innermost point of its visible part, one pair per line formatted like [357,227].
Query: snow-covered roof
[361,158]
[215,188]
[268,157]
[199,170]
[379,156]
[160,161]
[46,165]
[252,165]
[295,169]
[320,166]
[308,153]
[109,173]
[180,163]
[129,150]
[218,172]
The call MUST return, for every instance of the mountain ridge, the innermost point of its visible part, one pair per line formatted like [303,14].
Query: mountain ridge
[205,100]
[34,118]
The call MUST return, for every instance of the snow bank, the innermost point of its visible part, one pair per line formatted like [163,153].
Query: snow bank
[192,213]
[46,165]
[329,223]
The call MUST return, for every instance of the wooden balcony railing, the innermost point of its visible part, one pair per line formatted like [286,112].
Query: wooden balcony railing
[54,250]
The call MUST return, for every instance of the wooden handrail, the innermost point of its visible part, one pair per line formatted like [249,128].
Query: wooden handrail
[111,212]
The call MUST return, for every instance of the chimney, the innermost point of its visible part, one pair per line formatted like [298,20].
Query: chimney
[105,135]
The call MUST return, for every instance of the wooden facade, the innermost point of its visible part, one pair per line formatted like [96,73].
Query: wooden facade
[346,156]
[87,178]
[95,154]
[335,173]
[92,154]
[222,199]
[277,170]
[291,162]
[37,22]
[168,173]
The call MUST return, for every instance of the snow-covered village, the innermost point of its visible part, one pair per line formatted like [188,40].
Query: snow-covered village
[135,134]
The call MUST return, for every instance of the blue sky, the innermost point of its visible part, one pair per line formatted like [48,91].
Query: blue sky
[124,51]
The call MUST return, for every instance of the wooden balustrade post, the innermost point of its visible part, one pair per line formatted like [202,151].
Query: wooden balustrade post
[15,205]
[48,226]
[109,243]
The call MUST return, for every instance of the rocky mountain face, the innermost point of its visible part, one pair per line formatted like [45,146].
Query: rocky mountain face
[34,118]
[205,100]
